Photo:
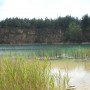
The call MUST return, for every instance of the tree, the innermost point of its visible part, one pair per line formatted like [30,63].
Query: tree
[85,24]
[74,32]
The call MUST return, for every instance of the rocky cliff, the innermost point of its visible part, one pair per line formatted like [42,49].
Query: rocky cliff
[14,35]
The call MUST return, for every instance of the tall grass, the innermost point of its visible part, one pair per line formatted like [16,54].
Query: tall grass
[22,74]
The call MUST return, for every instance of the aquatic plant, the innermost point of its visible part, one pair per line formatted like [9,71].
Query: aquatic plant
[23,74]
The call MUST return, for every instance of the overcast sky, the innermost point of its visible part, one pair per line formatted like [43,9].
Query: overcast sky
[43,8]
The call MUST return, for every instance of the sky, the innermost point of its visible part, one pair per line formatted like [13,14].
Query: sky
[43,8]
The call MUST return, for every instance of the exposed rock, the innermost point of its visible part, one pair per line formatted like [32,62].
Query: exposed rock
[22,35]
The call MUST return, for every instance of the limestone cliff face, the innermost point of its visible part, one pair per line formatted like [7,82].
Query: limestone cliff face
[22,35]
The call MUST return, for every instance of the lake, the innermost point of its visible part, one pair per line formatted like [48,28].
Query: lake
[75,58]
[53,51]
[78,71]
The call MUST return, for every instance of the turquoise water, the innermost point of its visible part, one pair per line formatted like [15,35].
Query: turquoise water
[50,50]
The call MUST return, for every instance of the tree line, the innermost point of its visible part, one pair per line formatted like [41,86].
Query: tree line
[74,29]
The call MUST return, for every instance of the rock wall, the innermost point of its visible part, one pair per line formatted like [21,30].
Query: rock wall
[16,35]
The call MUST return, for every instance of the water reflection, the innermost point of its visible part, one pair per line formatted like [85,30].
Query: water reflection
[79,77]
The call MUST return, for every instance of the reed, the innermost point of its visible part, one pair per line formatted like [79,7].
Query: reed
[75,51]
[22,74]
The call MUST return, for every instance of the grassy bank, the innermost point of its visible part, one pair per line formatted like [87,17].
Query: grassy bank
[22,74]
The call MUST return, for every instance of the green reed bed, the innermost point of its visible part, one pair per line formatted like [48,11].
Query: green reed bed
[22,74]
[75,51]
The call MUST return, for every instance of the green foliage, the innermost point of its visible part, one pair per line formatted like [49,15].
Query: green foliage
[48,26]
[74,32]
[21,74]
[85,24]
[37,23]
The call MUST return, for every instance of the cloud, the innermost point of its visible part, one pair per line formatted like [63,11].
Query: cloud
[1,2]
[44,8]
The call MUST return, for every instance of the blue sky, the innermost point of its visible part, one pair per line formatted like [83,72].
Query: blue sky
[43,8]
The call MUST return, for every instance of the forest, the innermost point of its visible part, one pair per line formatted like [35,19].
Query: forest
[60,30]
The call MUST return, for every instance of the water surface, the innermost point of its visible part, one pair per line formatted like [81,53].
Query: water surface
[52,50]
[78,71]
